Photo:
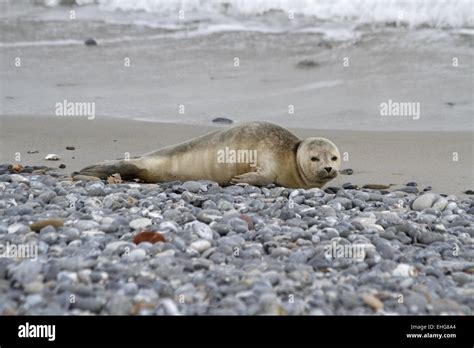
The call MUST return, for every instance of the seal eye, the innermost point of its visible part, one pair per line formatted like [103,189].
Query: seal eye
[314,159]
[334,158]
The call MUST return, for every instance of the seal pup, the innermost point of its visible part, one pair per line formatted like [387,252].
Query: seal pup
[256,153]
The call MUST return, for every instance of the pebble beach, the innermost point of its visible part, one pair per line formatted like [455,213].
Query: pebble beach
[198,248]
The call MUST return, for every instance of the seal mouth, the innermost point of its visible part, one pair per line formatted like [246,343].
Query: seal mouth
[321,177]
[324,175]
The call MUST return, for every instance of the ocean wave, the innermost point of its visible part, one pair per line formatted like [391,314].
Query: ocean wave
[430,13]
[40,43]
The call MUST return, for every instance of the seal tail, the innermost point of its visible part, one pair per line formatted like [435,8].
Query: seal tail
[128,170]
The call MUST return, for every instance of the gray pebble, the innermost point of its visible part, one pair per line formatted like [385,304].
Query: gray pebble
[93,305]
[430,237]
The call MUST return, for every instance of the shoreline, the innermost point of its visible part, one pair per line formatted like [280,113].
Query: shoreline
[211,124]
[367,151]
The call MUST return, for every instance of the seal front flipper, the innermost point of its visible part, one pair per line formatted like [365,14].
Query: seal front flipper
[252,178]
[128,170]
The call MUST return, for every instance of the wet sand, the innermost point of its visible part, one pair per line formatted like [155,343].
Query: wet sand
[376,157]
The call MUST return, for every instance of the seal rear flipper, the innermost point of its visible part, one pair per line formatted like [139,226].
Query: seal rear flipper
[127,170]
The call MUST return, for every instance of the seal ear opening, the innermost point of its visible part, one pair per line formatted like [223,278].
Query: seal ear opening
[126,169]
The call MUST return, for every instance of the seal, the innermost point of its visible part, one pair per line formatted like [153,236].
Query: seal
[256,153]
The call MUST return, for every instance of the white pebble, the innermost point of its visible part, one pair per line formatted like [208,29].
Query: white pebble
[52,157]
[404,270]
[140,223]
[137,255]
[423,202]
[375,228]
[200,245]
[18,178]
[169,226]
[451,206]
[112,247]
[365,220]
[15,228]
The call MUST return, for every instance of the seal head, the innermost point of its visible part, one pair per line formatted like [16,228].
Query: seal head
[318,161]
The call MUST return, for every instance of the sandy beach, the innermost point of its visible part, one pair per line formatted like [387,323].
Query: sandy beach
[389,82]
[376,157]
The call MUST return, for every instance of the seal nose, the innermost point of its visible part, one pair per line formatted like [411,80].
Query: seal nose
[328,169]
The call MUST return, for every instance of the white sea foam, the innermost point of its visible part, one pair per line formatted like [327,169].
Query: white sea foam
[335,20]
[41,43]
[431,13]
